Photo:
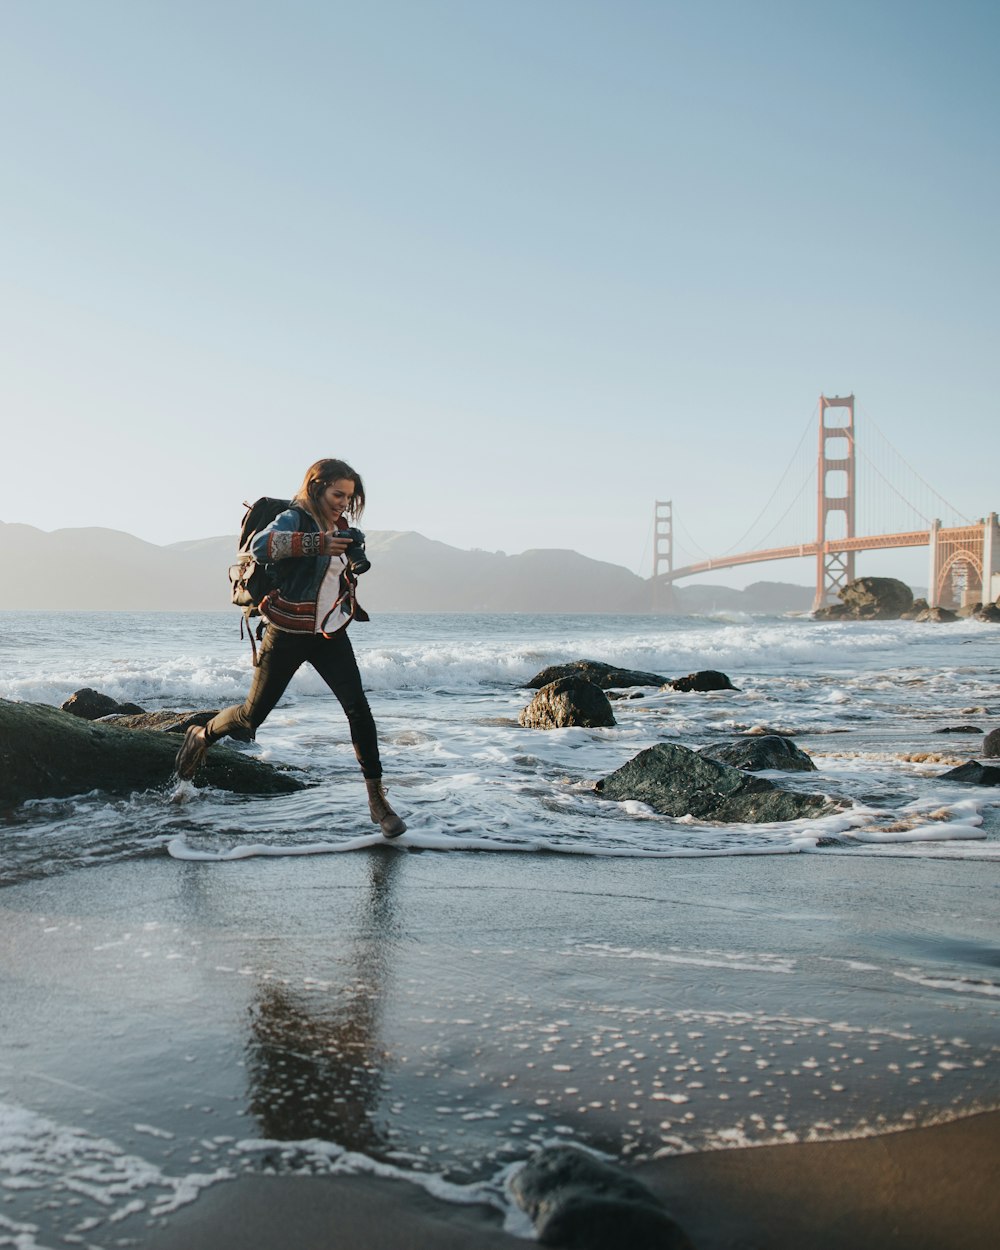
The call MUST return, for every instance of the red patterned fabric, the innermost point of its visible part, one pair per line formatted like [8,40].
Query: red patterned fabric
[282,544]
[287,614]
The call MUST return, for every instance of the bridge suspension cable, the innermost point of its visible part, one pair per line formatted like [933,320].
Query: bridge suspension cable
[739,544]
[694,543]
[934,503]
[645,548]
[809,484]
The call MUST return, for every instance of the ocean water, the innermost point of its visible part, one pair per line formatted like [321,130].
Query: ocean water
[866,700]
[197,985]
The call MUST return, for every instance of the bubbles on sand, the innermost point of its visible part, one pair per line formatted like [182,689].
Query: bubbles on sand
[80,1182]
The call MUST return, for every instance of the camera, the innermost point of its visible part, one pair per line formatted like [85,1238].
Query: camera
[355,556]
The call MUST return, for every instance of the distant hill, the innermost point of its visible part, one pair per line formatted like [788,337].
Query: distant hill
[762,598]
[91,569]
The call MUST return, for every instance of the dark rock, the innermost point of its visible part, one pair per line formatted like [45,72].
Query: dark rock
[606,1223]
[833,612]
[163,722]
[941,616]
[753,754]
[959,729]
[870,599]
[679,782]
[877,598]
[45,753]
[92,705]
[705,679]
[973,774]
[625,694]
[922,611]
[597,673]
[568,701]
[989,612]
[991,745]
[915,611]
[582,1203]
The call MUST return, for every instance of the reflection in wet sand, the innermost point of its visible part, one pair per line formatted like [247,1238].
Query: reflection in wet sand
[316,1068]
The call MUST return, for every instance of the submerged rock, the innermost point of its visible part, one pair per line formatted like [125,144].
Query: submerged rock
[582,1203]
[959,729]
[760,752]
[597,673]
[704,679]
[91,704]
[676,781]
[45,753]
[567,702]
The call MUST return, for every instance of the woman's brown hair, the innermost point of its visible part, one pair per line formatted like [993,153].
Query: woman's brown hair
[318,477]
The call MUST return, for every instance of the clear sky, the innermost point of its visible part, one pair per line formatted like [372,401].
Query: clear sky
[529,265]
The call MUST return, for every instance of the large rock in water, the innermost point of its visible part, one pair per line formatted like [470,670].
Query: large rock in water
[582,1203]
[94,705]
[567,702]
[922,611]
[704,679]
[599,674]
[939,615]
[973,774]
[46,753]
[760,752]
[679,782]
[870,599]
[91,704]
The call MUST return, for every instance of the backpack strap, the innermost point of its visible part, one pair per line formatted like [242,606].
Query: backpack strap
[245,621]
[351,601]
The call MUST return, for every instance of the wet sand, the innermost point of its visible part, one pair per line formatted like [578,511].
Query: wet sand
[924,1188]
[239,1027]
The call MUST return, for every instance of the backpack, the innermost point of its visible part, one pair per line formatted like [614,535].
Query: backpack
[250,580]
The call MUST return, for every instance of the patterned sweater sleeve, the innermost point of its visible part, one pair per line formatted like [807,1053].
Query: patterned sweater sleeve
[283,539]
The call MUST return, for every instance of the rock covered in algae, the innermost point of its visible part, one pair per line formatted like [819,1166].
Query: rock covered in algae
[48,753]
[676,781]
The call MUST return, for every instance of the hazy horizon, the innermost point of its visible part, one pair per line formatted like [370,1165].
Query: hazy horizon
[737,579]
[528,268]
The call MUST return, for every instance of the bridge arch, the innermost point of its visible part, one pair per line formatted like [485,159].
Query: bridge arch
[957,565]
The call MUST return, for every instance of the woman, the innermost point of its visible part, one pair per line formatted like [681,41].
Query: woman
[307,618]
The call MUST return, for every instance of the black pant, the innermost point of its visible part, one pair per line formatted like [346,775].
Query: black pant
[281,654]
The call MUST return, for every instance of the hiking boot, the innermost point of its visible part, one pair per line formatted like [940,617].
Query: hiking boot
[192,753]
[381,813]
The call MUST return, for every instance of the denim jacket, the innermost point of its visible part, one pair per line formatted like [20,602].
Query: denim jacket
[290,547]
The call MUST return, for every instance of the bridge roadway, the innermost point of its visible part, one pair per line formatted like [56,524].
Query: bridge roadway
[876,542]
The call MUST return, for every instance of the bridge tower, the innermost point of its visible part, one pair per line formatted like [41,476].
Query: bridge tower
[834,569]
[663,556]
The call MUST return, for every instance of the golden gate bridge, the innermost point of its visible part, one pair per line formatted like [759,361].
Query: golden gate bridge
[964,559]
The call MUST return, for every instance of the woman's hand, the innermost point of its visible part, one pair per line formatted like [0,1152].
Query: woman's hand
[334,543]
